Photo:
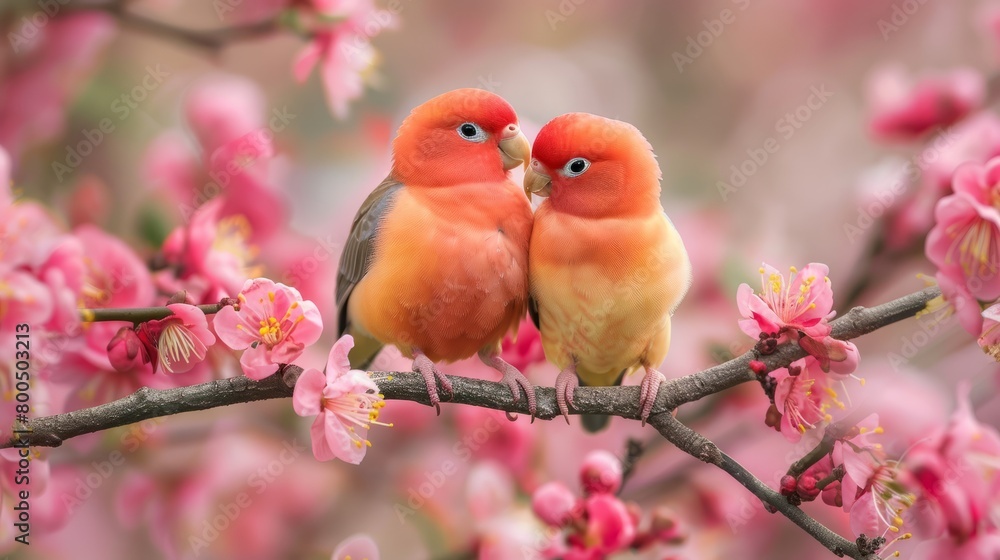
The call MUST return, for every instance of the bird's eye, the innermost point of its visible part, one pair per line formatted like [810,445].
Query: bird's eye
[575,167]
[471,132]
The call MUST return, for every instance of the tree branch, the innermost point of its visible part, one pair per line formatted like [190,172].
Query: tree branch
[146,403]
[696,445]
[208,40]
[142,314]
[51,431]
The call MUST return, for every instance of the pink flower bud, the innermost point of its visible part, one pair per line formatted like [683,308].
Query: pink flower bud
[123,350]
[788,485]
[806,488]
[601,473]
[758,367]
[553,503]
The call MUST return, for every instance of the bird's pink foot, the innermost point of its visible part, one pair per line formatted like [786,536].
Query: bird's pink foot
[566,383]
[648,390]
[432,375]
[513,379]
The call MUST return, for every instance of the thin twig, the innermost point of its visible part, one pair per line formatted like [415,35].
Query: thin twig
[210,40]
[696,445]
[142,314]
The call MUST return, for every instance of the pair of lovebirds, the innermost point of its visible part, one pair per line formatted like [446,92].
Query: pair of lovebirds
[445,256]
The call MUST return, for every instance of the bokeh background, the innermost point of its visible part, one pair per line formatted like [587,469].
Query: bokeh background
[707,108]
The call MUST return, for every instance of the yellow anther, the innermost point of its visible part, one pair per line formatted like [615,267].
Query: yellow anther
[270,296]
[879,430]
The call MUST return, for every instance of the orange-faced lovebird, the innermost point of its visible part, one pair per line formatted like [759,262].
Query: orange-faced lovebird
[436,262]
[607,267]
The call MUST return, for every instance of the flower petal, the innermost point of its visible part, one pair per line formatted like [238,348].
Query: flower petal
[338,364]
[257,363]
[308,393]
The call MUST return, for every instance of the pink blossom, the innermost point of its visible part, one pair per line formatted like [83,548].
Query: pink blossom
[608,528]
[214,253]
[553,503]
[956,298]
[357,547]
[983,546]
[342,50]
[242,162]
[903,108]
[965,241]
[274,324]
[124,350]
[41,80]
[601,473]
[989,339]
[974,140]
[872,488]
[114,276]
[345,402]
[525,349]
[803,303]
[802,399]
[222,108]
[955,469]
[178,342]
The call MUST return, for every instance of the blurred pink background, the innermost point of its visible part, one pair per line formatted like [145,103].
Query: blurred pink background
[707,109]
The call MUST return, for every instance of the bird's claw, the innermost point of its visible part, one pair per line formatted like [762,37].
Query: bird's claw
[515,381]
[432,376]
[648,391]
[566,384]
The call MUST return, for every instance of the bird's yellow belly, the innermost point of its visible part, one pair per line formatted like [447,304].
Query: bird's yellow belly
[602,326]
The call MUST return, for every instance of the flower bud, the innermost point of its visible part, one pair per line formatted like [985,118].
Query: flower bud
[553,503]
[601,473]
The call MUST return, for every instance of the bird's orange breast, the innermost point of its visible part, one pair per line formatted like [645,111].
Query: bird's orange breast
[450,271]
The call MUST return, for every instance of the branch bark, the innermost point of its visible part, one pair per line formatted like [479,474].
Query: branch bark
[698,446]
[146,403]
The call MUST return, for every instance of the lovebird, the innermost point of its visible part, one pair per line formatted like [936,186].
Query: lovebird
[607,267]
[436,262]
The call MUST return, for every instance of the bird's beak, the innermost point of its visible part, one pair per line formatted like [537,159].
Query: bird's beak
[536,181]
[514,148]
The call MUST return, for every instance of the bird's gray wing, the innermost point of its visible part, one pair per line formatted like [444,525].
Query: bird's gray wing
[533,313]
[360,245]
